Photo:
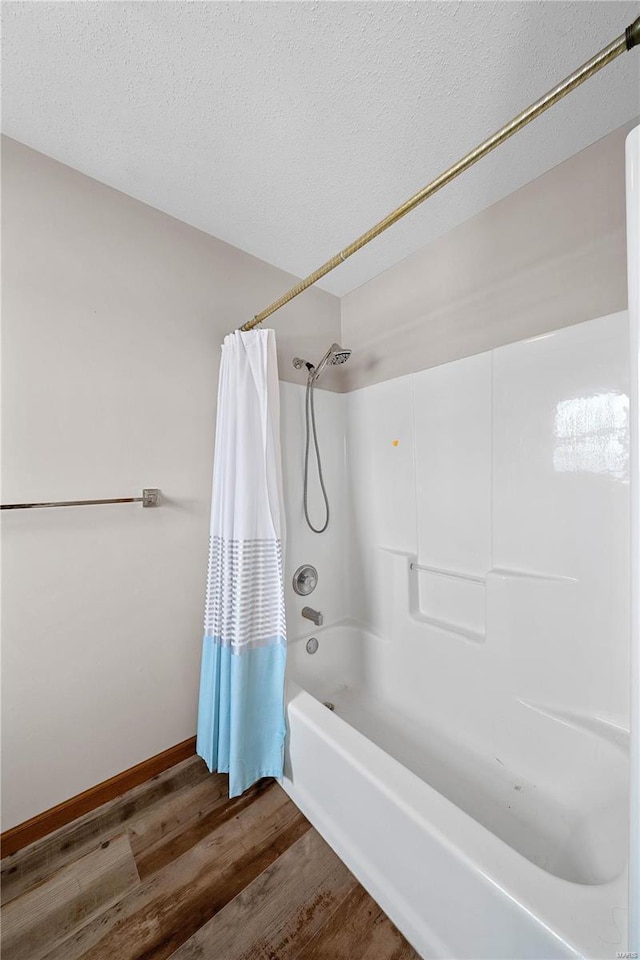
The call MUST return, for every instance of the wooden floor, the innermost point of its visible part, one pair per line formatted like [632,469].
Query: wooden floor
[173,869]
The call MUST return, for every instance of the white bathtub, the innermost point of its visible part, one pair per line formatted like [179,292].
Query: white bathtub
[484,827]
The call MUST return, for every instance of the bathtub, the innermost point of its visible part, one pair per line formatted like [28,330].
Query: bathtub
[485,826]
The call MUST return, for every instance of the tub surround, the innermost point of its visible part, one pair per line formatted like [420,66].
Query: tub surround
[477,652]
[509,488]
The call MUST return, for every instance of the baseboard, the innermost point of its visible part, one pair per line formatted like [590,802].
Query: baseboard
[44,823]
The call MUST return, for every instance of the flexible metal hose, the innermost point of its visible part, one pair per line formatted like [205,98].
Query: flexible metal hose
[310,414]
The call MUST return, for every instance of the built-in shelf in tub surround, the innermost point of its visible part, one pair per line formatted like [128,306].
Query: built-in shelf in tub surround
[449,600]
[455,601]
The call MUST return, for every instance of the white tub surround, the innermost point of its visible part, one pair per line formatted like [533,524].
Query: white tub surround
[474,773]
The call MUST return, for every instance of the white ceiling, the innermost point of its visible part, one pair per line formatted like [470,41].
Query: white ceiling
[287,129]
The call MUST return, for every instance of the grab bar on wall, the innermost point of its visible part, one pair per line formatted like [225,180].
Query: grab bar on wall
[150,498]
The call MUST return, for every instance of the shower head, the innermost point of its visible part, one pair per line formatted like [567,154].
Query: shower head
[334,355]
[338,354]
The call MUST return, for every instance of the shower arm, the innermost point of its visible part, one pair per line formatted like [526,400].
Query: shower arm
[630,38]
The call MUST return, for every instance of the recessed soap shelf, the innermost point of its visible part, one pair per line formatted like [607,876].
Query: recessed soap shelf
[449,626]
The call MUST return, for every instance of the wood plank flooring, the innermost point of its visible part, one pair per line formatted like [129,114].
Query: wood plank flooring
[174,870]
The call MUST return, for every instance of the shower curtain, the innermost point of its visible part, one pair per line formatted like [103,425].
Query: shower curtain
[241,725]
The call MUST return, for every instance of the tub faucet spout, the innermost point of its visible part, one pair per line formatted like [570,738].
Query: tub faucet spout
[313,615]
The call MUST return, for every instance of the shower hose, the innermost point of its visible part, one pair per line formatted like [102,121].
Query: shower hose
[310,415]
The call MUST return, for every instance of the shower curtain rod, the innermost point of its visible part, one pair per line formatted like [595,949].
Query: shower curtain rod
[630,38]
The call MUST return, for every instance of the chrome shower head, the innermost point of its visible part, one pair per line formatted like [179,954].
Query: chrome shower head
[338,354]
[334,355]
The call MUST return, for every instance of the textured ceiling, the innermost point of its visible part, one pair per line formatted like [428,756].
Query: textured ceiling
[287,129]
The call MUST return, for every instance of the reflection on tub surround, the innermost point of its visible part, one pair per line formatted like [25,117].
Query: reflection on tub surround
[592,435]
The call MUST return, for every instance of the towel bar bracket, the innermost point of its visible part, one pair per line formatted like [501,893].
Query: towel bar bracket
[150,497]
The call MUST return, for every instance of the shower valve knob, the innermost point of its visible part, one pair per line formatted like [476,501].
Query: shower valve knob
[305,580]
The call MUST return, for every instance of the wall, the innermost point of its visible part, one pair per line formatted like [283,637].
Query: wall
[113,318]
[505,474]
[547,256]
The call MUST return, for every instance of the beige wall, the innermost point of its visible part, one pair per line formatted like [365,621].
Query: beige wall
[113,315]
[549,255]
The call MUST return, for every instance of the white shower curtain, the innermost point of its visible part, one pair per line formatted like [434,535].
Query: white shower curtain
[241,724]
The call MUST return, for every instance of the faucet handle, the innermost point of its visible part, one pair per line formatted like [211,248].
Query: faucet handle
[305,580]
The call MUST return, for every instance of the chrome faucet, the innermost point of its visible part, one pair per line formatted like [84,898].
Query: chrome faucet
[313,615]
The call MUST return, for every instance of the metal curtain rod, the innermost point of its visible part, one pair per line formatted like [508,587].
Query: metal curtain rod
[630,38]
[150,498]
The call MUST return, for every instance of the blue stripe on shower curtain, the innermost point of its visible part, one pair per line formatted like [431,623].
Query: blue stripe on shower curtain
[241,726]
